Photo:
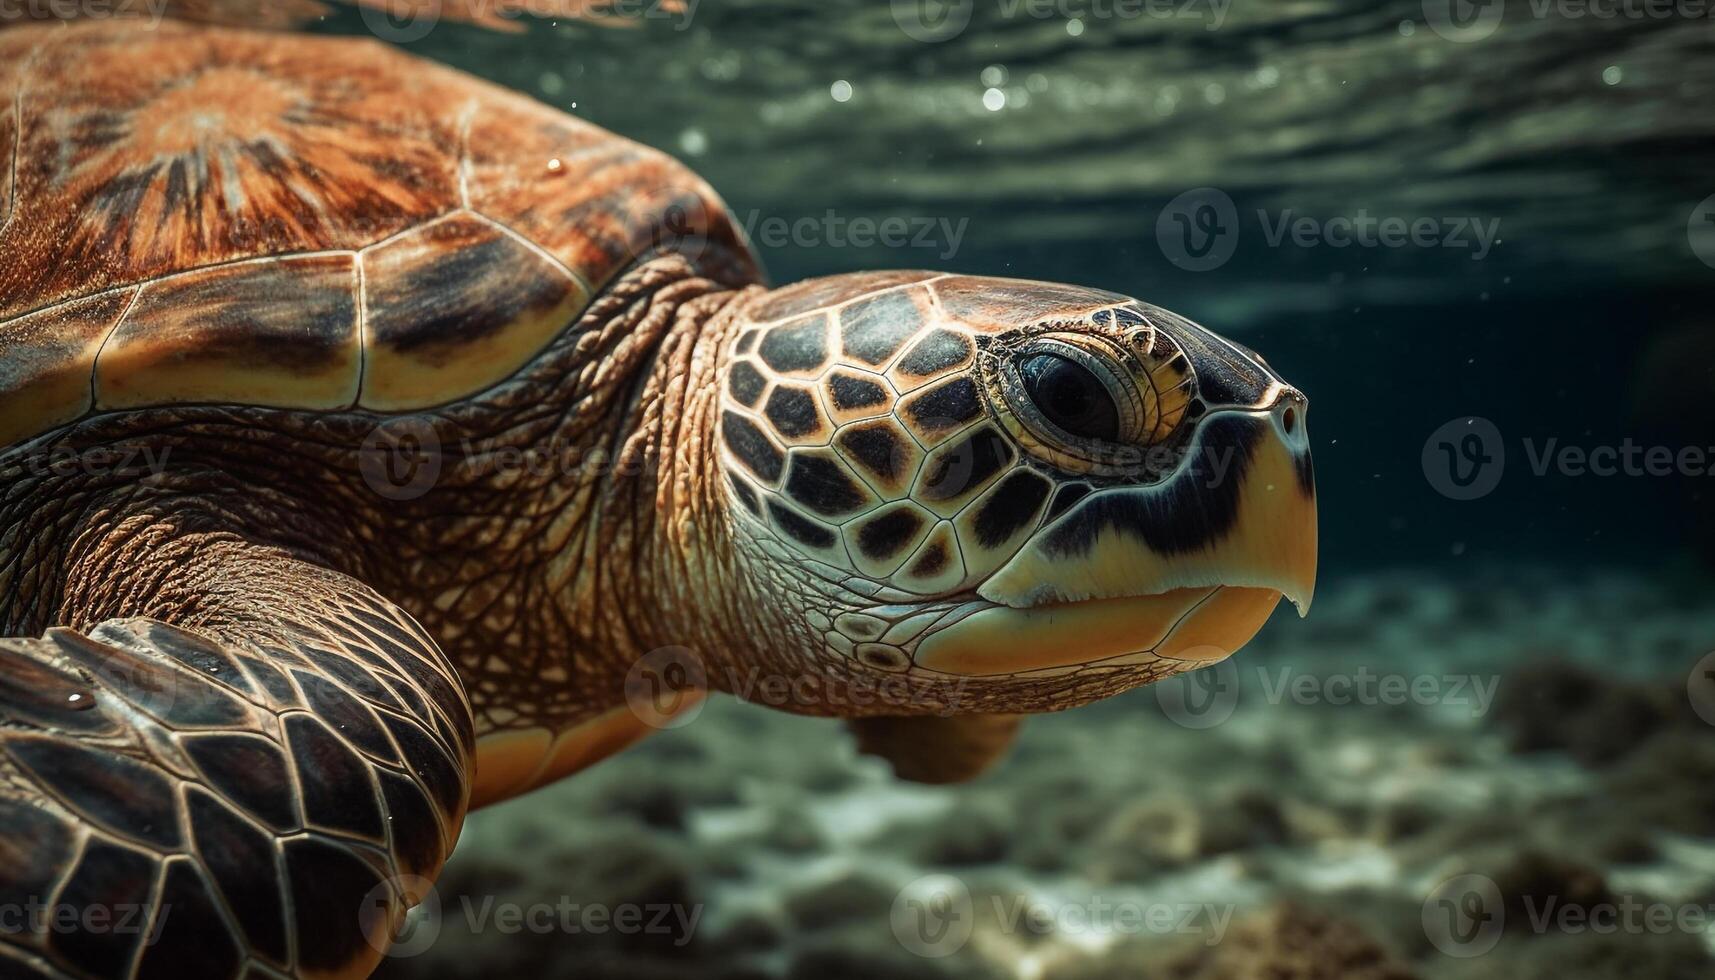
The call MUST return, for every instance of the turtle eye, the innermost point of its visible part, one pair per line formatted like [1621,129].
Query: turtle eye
[1070,395]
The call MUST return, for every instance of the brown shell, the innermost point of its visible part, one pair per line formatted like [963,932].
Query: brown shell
[203,214]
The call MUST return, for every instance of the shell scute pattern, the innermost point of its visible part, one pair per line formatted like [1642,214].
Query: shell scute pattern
[441,230]
[901,478]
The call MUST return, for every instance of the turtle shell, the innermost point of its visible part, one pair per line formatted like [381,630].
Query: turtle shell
[195,214]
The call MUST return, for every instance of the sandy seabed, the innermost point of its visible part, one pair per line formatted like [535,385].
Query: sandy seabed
[1506,776]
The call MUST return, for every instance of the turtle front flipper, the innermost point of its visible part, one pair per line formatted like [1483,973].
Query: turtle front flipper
[933,749]
[269,788]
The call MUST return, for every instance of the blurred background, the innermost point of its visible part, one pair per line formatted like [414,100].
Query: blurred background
[1481,237]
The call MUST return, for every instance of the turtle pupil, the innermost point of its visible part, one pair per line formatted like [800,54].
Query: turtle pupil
[1070,396]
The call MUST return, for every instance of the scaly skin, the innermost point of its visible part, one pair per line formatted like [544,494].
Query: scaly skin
[556,569]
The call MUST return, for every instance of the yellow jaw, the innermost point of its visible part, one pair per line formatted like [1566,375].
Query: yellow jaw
[1131,573]
[1193,625]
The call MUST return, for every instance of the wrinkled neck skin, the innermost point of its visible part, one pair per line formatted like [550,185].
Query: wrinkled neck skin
[704,588]
[648,567]
[718,594]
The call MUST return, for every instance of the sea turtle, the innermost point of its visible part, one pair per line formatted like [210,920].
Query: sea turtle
[380,441]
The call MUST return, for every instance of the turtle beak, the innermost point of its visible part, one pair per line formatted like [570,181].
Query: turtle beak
[1186,569]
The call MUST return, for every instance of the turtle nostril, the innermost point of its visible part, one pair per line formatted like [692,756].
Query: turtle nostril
[1290,420]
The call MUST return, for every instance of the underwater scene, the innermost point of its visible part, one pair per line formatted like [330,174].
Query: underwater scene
[1487,750]
[1464,251]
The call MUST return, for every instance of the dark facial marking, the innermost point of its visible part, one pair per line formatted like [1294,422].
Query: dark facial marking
[1010,508]
[797,347]
[1224,376]
[747,341]
[850,392]
[1067,496]
[800,528]
[752,447]
[931,562]
[821,485]
[878,448]
[1191,512]
[1306,474]
[937,352]
[745,383]
[887,535]
[966,465]
[945,407]
[874,329]
[793,411]
[745,494]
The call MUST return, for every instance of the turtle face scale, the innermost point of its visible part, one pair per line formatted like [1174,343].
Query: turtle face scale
[1005,479]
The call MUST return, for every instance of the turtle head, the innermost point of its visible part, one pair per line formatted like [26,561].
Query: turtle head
[1062,492]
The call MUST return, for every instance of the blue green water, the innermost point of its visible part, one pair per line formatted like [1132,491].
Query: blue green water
[1479,237]
[1532,193]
